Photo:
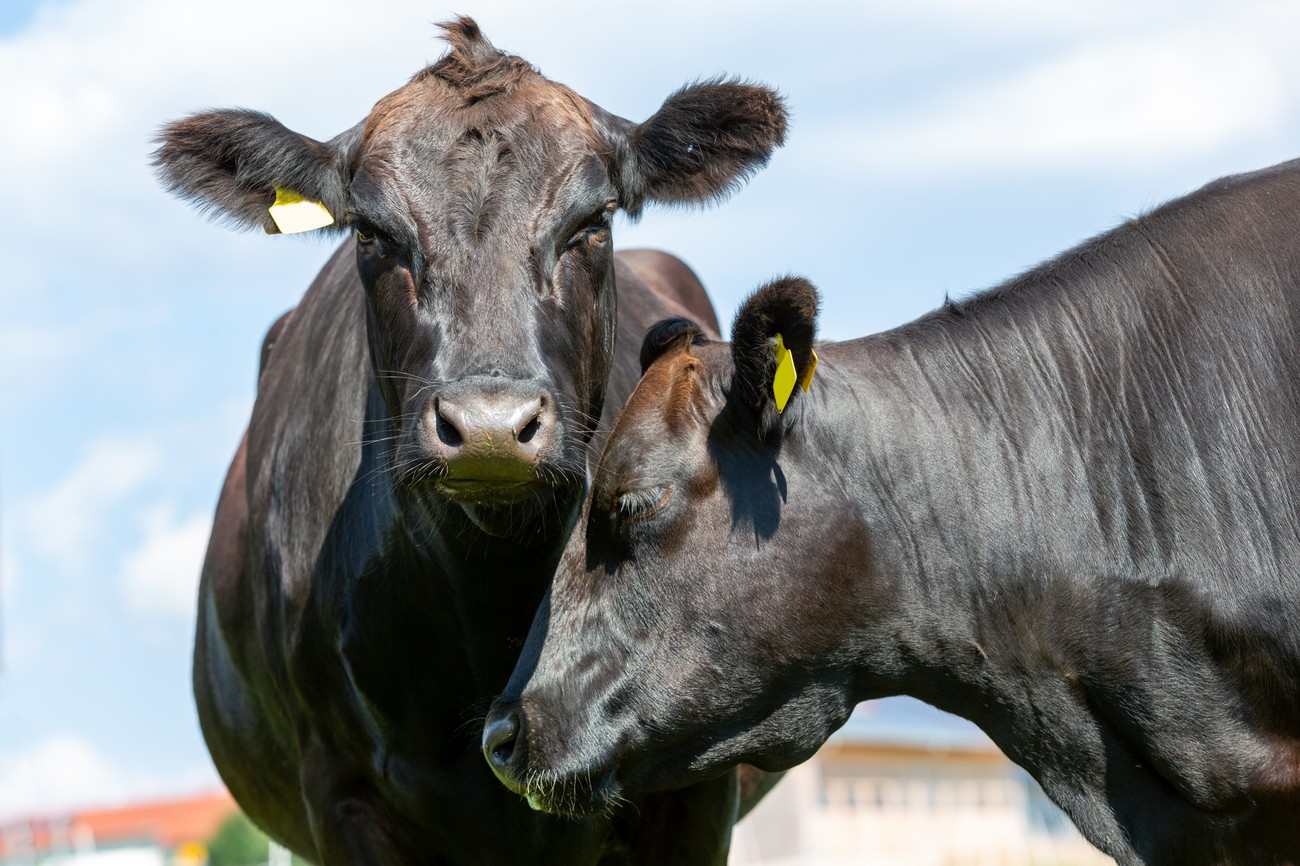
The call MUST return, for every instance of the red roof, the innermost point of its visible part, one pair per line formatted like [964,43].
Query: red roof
[164,823]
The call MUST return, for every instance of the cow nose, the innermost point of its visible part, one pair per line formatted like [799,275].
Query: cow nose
[500,736]
[493,424]
[491,437]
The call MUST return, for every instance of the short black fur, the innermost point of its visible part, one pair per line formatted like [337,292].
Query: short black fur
[417,454]
[1064,508]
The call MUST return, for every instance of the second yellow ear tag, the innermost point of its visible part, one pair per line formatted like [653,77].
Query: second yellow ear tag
[806,381]
[293,213]
[784,380]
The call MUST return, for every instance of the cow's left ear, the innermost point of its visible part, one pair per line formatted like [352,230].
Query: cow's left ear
[772,347]
[702,143]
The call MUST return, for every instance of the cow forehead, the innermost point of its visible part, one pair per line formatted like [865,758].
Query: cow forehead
[661,416]
[427,120]
[439,163]
[658,395]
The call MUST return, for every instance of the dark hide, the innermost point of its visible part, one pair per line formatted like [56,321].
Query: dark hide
[1064,509]
[417,451]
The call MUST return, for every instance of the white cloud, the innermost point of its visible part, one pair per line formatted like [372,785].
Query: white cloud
[59,771]
[8,571]
[1117,99]
[161,576]
[36,352]
[69,523]
[66,521]
[110,72]
[89,84]
[979,19]
[64,771]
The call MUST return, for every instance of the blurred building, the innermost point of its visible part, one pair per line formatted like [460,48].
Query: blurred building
[163,833]
[903,784]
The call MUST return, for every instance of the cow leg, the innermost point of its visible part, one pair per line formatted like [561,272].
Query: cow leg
[754,785]
[349,824]
[255,766]
[244,735]
[691,826]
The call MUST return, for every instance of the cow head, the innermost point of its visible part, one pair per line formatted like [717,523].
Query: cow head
[480,196]
[692,622]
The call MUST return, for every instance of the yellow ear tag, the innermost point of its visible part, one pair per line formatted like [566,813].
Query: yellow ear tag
[292,213]
[784,381]
[806,381]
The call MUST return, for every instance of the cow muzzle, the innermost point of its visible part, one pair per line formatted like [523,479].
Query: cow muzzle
[506,748]
[491,439]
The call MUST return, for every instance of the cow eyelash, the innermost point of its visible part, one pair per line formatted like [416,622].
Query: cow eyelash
[599,222]
[372,240]
[364,231]
[637,505]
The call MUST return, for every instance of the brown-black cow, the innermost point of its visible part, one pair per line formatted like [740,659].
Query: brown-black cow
[417,452]
[1065,508]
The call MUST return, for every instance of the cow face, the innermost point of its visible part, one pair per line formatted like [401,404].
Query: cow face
[693,622]
[480,196]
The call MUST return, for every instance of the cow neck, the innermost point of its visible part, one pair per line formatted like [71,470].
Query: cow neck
[975,482]
[1003,478]
[985,477]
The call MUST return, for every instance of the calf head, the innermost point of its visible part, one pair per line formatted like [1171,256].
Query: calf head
[480,196]
[688,629]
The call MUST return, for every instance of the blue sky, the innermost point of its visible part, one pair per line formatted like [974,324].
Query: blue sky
[937,147]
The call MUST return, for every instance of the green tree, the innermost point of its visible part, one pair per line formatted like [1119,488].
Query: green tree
[237,842]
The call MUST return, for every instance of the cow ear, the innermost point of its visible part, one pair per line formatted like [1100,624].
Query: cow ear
[236,164]
[666,334]
[703,143]
[772,347]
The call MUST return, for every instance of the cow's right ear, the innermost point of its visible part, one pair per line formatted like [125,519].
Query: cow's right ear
[671,333]
[772,348]
[232,163]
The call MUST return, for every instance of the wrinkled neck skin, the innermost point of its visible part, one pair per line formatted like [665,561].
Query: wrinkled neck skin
[962,502]
[1038,563]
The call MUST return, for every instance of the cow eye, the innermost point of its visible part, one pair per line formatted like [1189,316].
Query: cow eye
[368,239]
[596,228]
[637,505]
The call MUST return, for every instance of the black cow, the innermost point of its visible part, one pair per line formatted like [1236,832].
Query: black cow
[417,452]
[1065,509]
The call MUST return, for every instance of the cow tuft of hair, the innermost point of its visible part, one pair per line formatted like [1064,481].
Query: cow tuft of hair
[474,66]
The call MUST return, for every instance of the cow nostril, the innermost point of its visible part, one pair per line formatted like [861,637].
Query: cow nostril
[447,431]
[530,429]
[499,739]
